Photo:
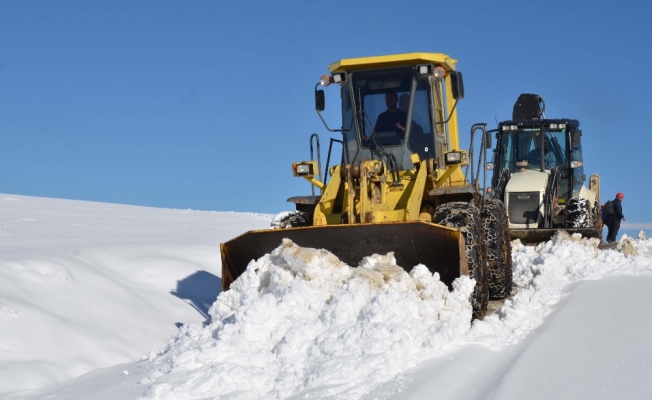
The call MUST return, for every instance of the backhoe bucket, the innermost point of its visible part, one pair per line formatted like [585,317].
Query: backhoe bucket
[534,236]
[439,248]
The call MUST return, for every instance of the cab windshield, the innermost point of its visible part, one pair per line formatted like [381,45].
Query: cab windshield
[382,104]
[525,145]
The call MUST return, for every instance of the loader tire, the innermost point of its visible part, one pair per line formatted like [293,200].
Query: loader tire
[578,213]
[499,249]
[293,219]
[466,218]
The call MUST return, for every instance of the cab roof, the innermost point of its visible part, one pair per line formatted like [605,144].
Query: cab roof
[393,60]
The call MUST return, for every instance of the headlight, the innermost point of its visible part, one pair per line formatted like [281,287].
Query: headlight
[424,69]
[306,169]
[576,164]
[454,157]
[303,169]
[339,78]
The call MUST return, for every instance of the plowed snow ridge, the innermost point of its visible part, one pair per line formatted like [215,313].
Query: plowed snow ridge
[301,322]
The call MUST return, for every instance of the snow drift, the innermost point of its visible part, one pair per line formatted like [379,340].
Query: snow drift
[300,322]
[299,319]
[87,285]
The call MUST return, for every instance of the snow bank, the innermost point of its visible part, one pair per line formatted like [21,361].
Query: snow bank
[86,285]
[300,322]
[541,273]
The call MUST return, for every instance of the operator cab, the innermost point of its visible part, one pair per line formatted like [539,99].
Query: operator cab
[394,107]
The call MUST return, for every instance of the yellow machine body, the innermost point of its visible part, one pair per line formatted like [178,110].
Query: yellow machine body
[369,207]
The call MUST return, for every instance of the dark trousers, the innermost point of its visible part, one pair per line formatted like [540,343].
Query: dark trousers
[613,224]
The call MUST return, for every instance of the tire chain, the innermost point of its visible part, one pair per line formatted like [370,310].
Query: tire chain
[466,218]
[578,213]
[499,249]
[293,220]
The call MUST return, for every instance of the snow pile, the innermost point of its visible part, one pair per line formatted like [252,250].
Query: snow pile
[299,320]
[631,247]
[642,239]
[278,218]
[541,273]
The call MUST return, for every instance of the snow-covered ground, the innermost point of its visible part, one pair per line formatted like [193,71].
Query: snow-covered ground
[102,287]
[87,285]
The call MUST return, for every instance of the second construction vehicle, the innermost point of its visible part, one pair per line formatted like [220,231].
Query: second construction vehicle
[402,183]
[539,174]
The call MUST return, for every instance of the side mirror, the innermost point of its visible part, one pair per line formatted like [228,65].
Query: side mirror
[487,141]
[457,85]
[320,100]
[575,137]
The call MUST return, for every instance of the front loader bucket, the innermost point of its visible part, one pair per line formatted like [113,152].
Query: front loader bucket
[534,236]
[439,248]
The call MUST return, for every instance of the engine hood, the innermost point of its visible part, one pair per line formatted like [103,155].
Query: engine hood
[527,181]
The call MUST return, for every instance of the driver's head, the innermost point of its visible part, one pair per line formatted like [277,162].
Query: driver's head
[537,142]
[391,99]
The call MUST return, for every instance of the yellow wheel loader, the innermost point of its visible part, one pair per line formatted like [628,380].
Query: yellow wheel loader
[402,183]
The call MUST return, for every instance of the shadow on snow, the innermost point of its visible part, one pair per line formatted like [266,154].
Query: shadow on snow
[200,291]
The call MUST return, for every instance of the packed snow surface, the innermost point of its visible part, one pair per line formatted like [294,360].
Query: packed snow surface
[91,285]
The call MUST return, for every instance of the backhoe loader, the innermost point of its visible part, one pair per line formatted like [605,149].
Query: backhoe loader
[539,175]
[402,183]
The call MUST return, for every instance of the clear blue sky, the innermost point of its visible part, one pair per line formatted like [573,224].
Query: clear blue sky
[204,105]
